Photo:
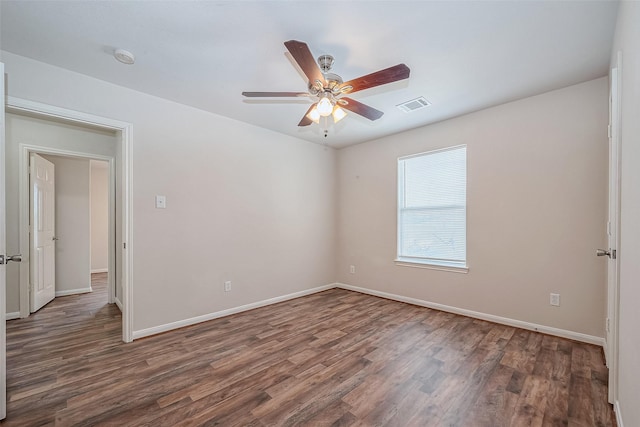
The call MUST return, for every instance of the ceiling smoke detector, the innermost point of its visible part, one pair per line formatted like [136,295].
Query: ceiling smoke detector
[124,56]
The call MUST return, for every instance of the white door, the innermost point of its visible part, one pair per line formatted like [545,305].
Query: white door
[3,268]
[4,259]
[42,226]
[611,330]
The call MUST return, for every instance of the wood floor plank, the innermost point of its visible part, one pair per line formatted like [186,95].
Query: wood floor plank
[494,405]
[532,403]
[334,358]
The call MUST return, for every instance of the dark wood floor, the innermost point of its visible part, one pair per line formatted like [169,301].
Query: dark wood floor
[336,358]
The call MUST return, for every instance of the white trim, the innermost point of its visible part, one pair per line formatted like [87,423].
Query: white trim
[126,132]
[403,263]
[13,315]
[3,248]
[577,336]
[613,231]
[205,317]
[99,270]
[111,230]
[437,150]
[41,109]
[118,303]
[73,292]
[618,412]
[127,234]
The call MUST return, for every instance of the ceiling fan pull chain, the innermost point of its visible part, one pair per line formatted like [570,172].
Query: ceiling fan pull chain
[326,125]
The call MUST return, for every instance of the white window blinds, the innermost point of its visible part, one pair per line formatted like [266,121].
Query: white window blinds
[432,207]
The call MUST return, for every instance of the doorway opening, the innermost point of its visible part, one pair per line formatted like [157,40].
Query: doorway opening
[119,168]
[69,214]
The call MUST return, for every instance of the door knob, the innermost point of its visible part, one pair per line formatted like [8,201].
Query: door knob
[5,259]
[54,238]
[603,252]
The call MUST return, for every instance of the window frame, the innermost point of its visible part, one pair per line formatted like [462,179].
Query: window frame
[429,263]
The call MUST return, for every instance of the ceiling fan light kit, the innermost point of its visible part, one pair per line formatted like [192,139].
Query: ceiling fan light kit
[325,105]
[335,111]
[329,88]
[314,115]
[338,114]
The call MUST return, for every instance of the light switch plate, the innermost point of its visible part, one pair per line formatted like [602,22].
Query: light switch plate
[161,202]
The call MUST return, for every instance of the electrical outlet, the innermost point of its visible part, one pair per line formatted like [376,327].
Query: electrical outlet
[227,286]
[352,269]
[554,299]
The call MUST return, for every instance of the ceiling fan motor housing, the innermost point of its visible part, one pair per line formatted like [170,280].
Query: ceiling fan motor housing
[325,62]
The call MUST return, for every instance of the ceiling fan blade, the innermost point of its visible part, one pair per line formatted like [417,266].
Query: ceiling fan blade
[382,77]
[360,108]
[306,121]
[302,55]
[274,94]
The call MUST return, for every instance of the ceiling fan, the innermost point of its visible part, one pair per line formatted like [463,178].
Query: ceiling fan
[329,90]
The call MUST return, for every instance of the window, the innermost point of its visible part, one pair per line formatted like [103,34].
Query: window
[432,208]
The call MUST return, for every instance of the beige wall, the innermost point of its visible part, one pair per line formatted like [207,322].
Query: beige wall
[537,190]
[261,209]
[243,204]
[72,225]
[99,216]
[23,130]
[627,41]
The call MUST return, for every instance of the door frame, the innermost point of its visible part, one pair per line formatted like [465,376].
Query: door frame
[45,111]
[3,278]
[25,151]
[613,229]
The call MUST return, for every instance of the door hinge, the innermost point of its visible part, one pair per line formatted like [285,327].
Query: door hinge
[609,131]
[124,245]
[608,325]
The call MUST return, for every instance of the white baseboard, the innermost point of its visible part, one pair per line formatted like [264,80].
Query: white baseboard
[192,321]
[577,336]
[73,292]
[100,270]
[616,410]
[13,315]
[118,303]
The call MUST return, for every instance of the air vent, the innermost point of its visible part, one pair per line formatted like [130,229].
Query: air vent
[413,105]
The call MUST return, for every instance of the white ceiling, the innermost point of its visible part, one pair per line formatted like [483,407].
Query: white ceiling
[463,55]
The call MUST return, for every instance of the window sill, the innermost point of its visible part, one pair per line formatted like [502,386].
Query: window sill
[454,269]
